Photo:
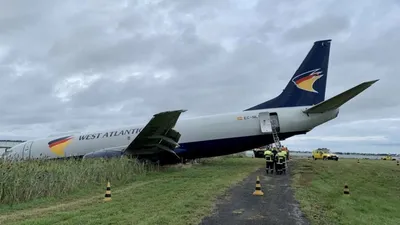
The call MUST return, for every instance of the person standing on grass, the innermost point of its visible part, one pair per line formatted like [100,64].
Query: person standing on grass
[269,161]
[274,152]
[281,163]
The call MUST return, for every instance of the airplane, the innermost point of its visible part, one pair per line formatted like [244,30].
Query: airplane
[166,140]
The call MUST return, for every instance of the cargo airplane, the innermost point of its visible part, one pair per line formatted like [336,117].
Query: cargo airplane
[165,139]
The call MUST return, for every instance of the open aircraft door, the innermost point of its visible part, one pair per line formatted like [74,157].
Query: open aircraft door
[26,153]
[265,122]
[275,121]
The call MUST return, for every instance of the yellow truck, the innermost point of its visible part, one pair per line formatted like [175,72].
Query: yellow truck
[388,157]
[324,154]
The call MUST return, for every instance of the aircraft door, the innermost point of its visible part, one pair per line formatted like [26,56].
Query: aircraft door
[275,121]
[26,153]
[265,122]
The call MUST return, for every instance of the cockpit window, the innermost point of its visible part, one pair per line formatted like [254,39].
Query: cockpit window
[6,153]
[324,150]
[12,153]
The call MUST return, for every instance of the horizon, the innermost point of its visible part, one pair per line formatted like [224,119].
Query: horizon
[21,140]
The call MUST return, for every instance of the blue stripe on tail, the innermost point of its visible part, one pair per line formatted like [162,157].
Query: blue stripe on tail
[308,84]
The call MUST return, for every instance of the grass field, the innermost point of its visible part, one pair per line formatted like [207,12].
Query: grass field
[374,191]
[73,193]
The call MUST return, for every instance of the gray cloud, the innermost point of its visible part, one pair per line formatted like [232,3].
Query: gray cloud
[71,65]
[321,27]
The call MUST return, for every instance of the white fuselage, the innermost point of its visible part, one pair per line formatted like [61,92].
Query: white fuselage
[200,137]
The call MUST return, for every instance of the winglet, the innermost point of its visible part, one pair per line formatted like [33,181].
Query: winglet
[179,111]
[338,100]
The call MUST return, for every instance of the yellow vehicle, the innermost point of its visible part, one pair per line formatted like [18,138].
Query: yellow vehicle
[324,154]
[388,157]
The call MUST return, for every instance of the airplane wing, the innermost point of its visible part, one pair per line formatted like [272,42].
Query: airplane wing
[158,135]
[338,100]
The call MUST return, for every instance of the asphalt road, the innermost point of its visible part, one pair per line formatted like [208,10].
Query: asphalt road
[277,206]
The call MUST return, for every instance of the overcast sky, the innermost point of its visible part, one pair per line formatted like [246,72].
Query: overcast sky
[82,65]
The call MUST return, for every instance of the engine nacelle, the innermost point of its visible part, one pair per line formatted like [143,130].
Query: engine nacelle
[104,154]
[180,150]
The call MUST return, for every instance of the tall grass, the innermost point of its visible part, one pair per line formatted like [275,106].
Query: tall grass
[28,180]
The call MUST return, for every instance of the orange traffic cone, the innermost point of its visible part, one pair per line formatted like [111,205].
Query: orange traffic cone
[107,196]
[258,188]
[346,190]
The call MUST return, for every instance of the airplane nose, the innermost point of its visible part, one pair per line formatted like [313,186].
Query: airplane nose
[13,154]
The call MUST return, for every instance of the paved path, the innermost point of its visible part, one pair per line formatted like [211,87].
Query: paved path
[277,206]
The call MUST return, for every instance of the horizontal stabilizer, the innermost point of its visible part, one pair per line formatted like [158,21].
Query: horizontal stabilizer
[338,100]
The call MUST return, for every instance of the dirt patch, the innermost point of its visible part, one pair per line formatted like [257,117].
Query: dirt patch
[277,206]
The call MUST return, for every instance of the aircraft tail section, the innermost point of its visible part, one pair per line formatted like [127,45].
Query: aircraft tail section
[308,84]
[338,100]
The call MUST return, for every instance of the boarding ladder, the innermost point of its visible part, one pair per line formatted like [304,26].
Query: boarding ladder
[275,134]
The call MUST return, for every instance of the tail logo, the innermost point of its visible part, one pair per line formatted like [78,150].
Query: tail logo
[57,146]
[306,80]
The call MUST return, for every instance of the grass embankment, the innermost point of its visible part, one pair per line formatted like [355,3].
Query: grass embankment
[139,195]
[374,191]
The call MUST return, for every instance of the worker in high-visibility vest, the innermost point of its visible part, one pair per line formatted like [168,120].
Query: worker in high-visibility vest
[280,163]
[286,160]
[269,161]
[286,156]
[274,152]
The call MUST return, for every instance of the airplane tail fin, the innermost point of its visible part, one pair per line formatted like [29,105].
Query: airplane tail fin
[308,84]
[338,100]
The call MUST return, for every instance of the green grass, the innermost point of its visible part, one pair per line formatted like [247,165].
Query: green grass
[176,195]
[374,191]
